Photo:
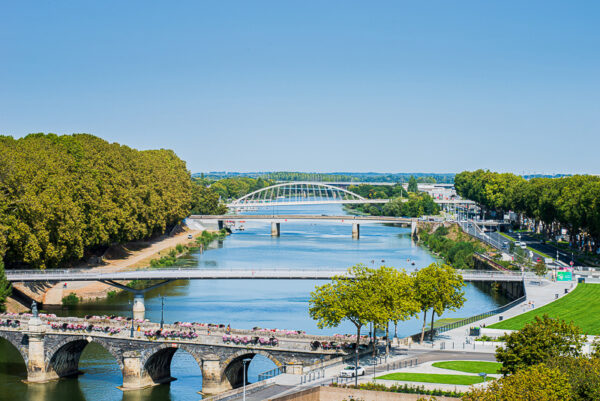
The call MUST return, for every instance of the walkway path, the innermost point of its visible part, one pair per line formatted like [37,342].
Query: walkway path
[539,293]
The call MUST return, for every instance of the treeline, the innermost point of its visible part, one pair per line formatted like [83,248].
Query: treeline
[296,176]
[61,196]
[374,191]
[457,249]
[234,188]
[551,204]
[417,205]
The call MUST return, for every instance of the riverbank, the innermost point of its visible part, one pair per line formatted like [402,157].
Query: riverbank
[119,258]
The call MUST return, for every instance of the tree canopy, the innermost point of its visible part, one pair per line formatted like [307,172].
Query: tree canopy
[539,342]
[551,203]
[61,196]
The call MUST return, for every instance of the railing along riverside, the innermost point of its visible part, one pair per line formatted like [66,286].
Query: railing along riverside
[480,316]
[271,373]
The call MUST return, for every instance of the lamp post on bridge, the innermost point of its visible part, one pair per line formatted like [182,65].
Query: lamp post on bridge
[131,334]
[244,362]
[162,311]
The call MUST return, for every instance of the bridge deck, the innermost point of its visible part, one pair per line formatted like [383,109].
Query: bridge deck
[281,218]
[219,274]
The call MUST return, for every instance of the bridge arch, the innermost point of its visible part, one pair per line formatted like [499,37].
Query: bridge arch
[299,192]
[232,367]
[63,354]
[157,362]
[18,342]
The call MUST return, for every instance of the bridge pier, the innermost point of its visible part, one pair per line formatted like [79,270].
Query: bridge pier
[220,224]
[139,307]
[275,229]
[355,230]
[36,363]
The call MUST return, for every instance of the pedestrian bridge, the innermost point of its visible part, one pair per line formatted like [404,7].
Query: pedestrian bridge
[222,274]
[51,348]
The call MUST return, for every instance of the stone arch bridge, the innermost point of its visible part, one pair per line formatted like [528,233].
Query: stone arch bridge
[50,354]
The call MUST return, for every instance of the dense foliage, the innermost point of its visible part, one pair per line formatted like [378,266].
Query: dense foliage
[538,342]
[374,191]
[416,205]
[551,203]
[205,200]
[543,361]
[457,252]
[5,287]
[61,196]
[234,188]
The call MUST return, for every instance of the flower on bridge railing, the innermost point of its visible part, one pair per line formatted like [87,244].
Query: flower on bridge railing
[9,323]
[186,335]
[247,340]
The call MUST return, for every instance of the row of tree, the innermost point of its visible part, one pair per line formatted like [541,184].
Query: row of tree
[62,196]
[551,204]
[384,295]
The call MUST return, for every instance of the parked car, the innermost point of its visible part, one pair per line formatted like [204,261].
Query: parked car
[190,236]
[349,371]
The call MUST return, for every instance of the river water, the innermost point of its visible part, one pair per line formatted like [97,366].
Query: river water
[240,303]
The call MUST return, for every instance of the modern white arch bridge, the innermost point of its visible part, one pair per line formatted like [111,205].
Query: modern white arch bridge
[310,193]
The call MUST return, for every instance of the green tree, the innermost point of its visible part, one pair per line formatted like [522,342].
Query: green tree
[539,383]
[345,299]
[205,200]
[412,184]
[540,268]
[5,287]
[538,342]
[439,288]
[583,374]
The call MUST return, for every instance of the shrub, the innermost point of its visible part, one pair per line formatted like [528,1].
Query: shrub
[70,300]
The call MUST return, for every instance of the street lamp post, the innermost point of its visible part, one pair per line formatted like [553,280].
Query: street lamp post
[131,333]
[162,311]
[245,361]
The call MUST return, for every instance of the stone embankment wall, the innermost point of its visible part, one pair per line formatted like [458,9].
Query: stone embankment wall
[344,394]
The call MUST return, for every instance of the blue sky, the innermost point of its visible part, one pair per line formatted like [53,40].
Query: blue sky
[382,86]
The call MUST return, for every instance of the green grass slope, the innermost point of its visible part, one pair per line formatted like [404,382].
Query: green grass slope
[470,366]
[433,378]
[582,307]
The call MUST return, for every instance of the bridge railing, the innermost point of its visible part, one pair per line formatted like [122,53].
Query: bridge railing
[271,373]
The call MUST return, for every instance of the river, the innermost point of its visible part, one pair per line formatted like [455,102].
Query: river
[242,304]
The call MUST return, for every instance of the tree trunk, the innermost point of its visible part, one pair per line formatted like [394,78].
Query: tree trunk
[431,332]
[387,338]
[374,339]
[396,329]
[424,324]
[357,353]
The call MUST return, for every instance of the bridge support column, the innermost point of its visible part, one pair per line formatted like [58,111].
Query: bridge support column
[220,224]
[355,230]
[134,374]
[36,365]
[275,229]
[212,380]
[139,308]
[413,228]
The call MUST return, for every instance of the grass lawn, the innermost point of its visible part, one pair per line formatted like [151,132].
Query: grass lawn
[433,378]
[447,320]
[506,236]
[582,306]
[470,366]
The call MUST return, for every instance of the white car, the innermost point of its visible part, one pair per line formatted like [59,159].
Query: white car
[349,371]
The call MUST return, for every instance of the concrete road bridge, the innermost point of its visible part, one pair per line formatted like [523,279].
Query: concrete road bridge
[51,348]
[276,220]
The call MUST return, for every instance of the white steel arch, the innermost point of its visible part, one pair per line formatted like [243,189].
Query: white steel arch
[300,193]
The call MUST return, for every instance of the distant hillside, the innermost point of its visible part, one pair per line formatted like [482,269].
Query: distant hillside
[332,177]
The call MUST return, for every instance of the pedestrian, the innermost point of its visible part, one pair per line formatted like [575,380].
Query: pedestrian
[228,329]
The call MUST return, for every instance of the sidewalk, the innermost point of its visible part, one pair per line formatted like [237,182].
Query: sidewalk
[540,294]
